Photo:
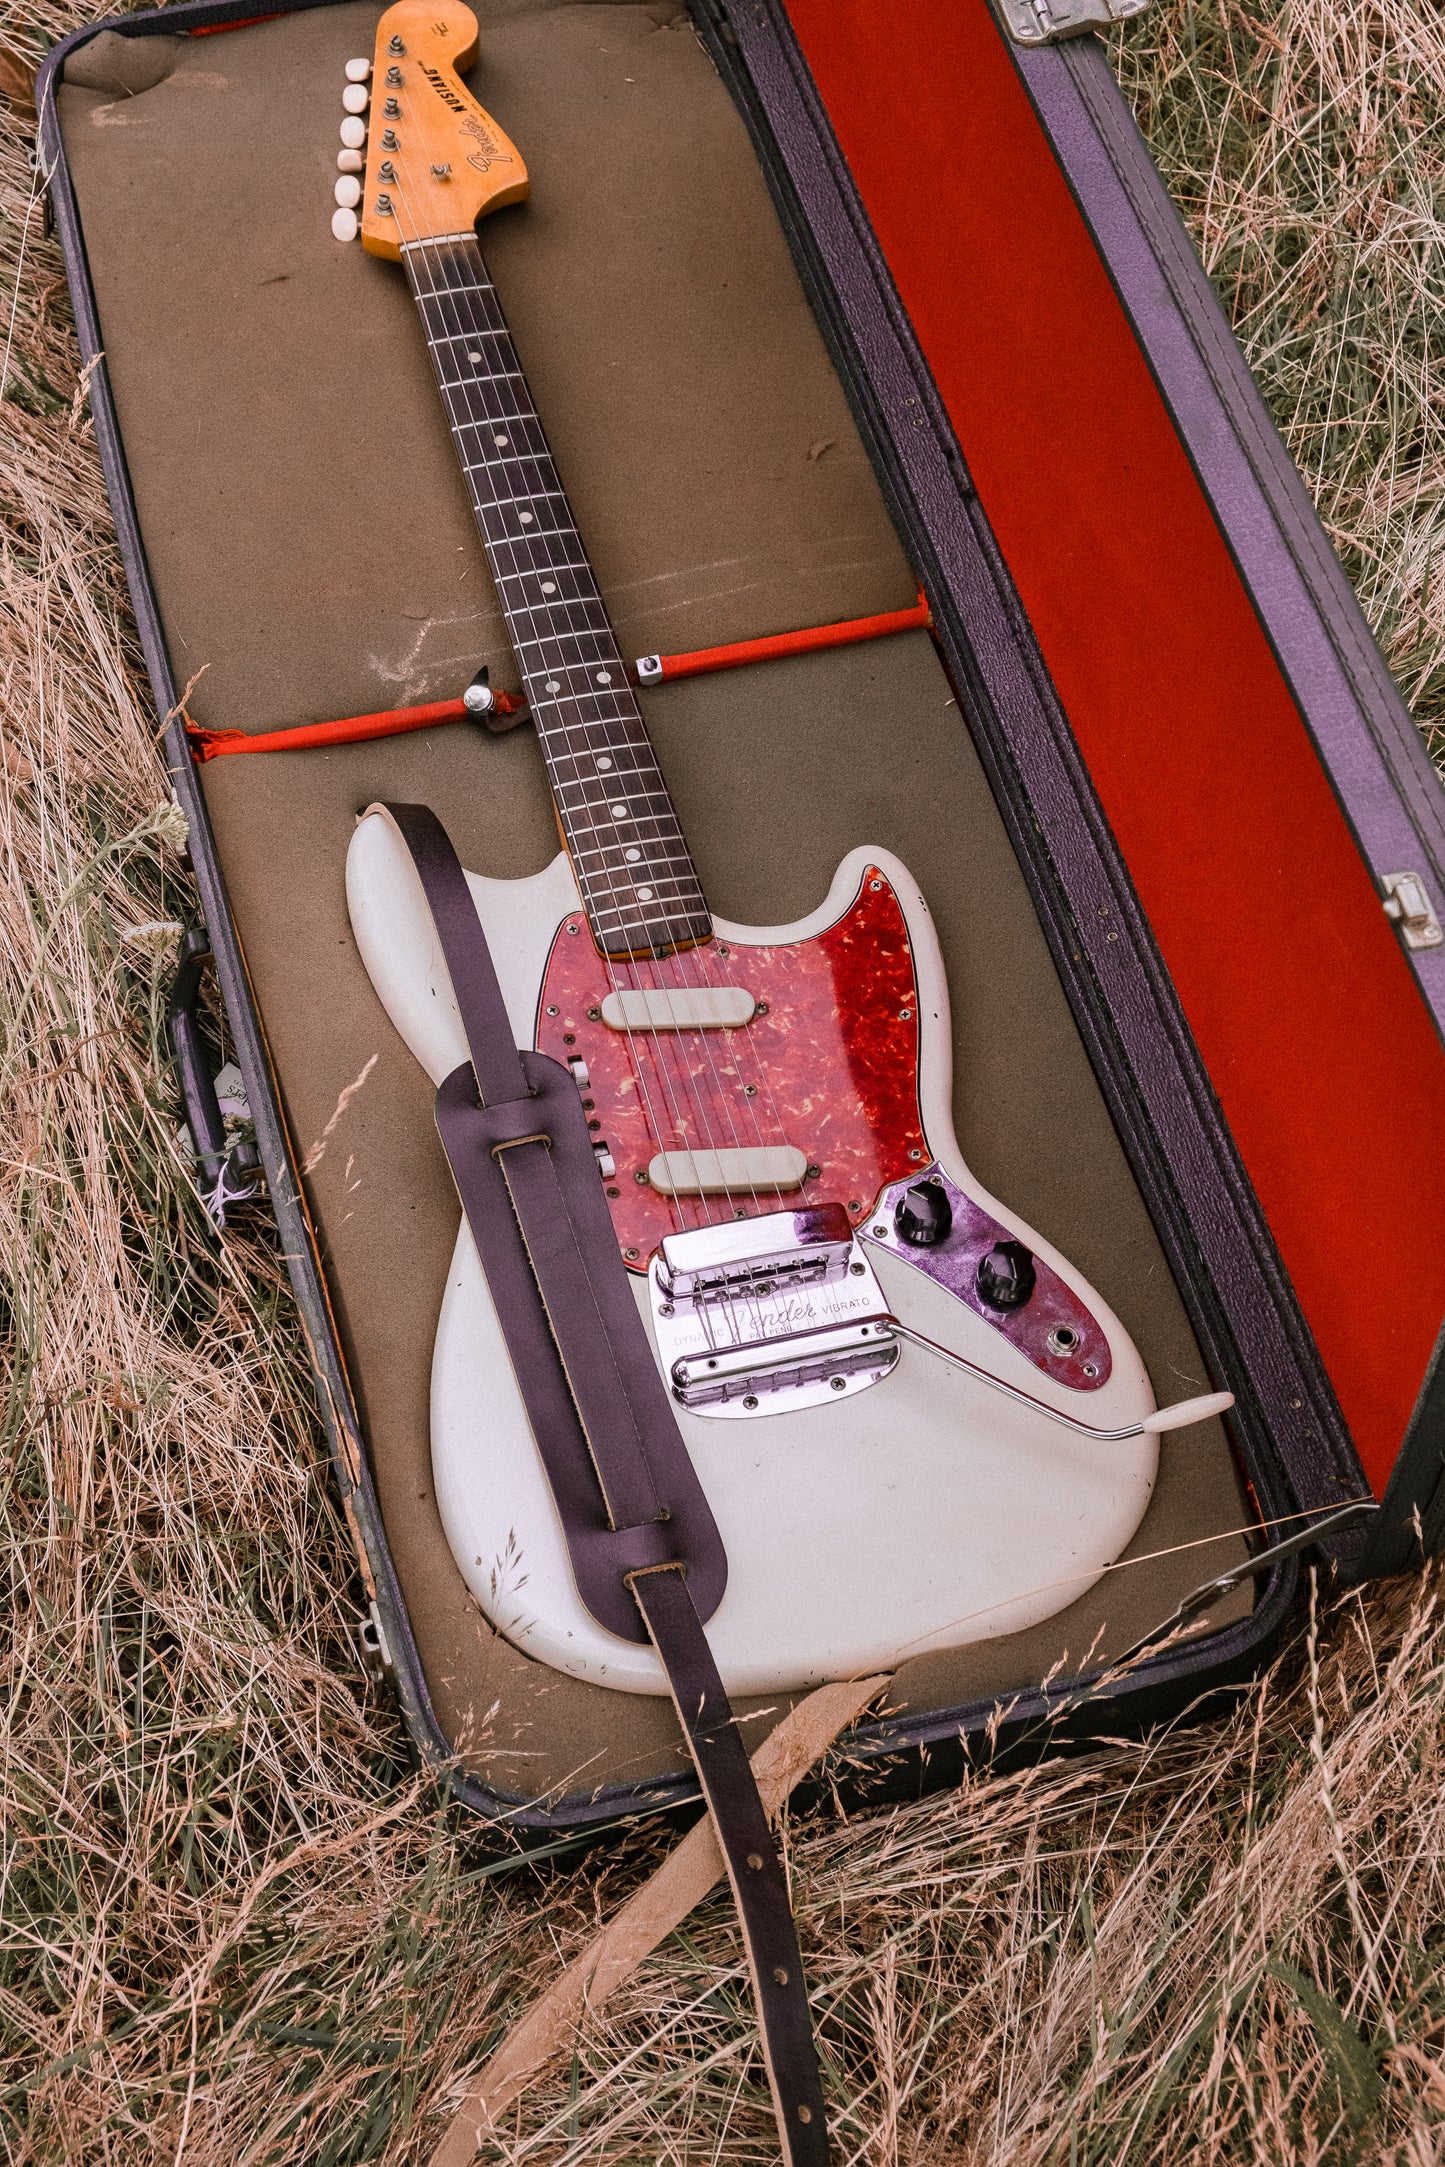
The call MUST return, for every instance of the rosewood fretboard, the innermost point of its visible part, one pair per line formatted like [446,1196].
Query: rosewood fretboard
[637,879]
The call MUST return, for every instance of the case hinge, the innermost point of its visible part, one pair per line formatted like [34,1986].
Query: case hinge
[1408,903]
[1044,22]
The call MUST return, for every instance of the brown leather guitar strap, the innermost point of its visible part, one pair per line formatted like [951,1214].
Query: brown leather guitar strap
[645,1551]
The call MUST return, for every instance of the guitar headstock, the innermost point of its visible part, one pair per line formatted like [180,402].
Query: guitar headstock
[419,157]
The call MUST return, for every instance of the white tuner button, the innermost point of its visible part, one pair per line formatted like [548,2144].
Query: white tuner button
[348,191]
[356,97]
[344,225]
[349,161]
[357,70]
[353,132]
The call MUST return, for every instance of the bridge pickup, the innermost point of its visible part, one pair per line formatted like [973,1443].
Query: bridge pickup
[784,1249]
[829,1356]
[720,1173]
[679,1008]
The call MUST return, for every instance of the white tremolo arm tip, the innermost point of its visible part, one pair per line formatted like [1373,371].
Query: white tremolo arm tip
[1184,1412]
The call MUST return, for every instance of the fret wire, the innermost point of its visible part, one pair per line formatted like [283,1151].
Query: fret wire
[581,722]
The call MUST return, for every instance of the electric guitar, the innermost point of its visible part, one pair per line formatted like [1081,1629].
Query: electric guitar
[915,1423]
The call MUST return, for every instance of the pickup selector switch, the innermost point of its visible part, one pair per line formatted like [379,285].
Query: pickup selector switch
[923,1215]
[1006,1276]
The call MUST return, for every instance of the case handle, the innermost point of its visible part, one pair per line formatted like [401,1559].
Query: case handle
[225,1175]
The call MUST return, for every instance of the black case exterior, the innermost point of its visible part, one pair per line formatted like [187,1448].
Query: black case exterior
[1288,1427]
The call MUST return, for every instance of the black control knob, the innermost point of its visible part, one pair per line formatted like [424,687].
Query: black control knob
[1006,1276]
[923,1214]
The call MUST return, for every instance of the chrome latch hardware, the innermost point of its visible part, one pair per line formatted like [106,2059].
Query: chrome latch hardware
[1044,22]
[1195,1604]
[1408,903]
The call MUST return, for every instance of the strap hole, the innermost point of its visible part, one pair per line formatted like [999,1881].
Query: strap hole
[805,2114]
[755,1860]
[780,1975]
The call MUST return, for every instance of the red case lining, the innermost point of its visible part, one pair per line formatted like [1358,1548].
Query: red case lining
[1325,1059]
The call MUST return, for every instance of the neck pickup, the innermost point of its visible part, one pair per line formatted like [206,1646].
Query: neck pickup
[637,879]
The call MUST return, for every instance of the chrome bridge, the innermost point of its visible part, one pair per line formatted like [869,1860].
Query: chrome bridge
[757,1316]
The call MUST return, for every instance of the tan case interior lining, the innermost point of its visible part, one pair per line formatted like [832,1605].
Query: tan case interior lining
[314,555]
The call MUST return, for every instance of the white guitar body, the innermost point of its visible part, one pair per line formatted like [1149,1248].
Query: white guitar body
[928,1510]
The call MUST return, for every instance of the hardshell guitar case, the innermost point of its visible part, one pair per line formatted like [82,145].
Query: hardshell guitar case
[818,302]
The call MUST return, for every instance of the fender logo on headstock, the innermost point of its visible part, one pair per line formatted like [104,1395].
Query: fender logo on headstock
[491,153]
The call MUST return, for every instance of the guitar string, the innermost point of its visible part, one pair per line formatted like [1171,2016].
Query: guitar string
[464,336]
[642,968]
[448,290]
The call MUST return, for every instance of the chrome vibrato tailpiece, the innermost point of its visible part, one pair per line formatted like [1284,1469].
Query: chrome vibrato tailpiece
[758,1311]
[785,1310]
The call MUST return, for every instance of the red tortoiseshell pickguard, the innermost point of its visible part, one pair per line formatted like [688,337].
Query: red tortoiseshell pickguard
[828,1064]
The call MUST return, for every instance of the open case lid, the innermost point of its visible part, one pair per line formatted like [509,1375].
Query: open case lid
[1244,837]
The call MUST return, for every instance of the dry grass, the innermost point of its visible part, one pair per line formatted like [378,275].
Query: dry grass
[235,1929]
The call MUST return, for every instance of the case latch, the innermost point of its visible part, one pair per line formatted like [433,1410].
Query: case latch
[1044,22]
[1408,903]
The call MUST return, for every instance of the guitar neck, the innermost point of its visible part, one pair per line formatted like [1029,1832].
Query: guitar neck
[637,880]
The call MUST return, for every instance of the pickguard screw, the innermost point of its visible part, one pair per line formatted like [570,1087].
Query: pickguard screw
[1091,1369]
[853,1204]
[631,1255]
[905,1015]
[750,1399]
[664,1309]
[552,1011]
[594,1015]
[721,950]
[572,929]
[881,1232]
[875,884]
[569,1038]
[761,1009]
[614,1194]
[641,1175]
[815,1173]
[750,1091]
[839,1384]
[915,1153]
[857,1270]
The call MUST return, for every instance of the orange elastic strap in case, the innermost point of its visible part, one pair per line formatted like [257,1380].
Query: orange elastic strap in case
[657,669]
[650,670]
[350,730]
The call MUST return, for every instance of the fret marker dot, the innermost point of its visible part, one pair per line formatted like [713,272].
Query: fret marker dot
[602,760]
[500,438]
[644,895]
[604,677]
[474,357]
[549,586]
[618,812]
[552,685]
[525,518]
[633,856]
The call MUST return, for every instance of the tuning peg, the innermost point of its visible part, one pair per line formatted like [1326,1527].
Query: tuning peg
[349,161]
[356,97]
[353,132]
[344,224]
[348,191]
[357,70]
